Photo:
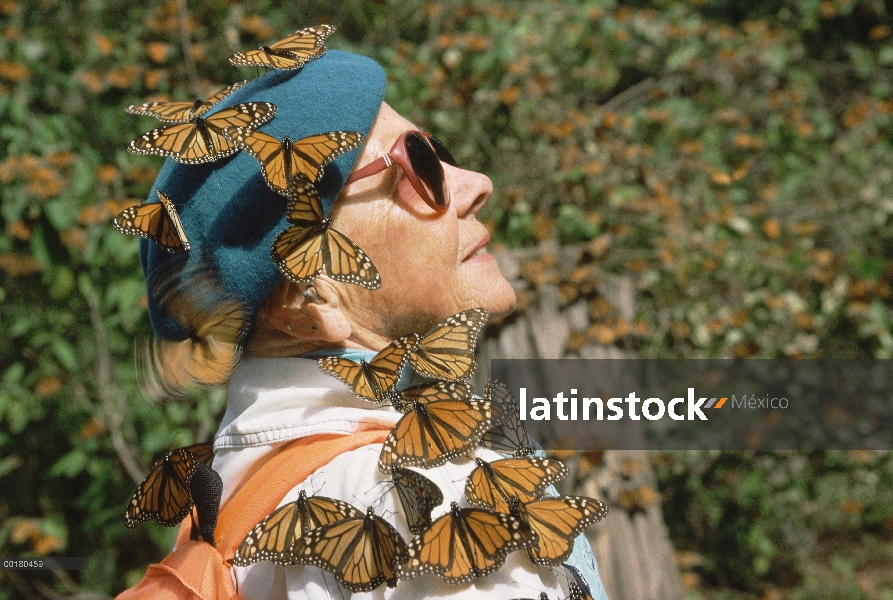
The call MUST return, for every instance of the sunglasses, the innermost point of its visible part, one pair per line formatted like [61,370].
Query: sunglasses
[419,154]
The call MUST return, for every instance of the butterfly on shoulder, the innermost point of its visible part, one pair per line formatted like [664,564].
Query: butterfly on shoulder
[280,160]
[370,380]
[418,496]
[447,351]
[156,221]
[556,522]
[311,246]
[291,52]
[362,551]
[271,538]
[165,494]
[441,420]
[508,434]
[492,485]
[464,544]
[577,584]
[201,139]
[182,112]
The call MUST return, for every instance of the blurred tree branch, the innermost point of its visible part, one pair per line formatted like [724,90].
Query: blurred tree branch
[114,407]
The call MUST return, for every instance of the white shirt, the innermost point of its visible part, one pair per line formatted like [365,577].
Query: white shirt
[275,400]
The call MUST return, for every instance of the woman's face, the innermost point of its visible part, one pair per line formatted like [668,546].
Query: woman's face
[432,265]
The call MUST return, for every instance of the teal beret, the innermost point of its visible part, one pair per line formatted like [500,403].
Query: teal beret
[229,214]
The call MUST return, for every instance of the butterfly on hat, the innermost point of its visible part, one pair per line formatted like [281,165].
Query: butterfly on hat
[291,52]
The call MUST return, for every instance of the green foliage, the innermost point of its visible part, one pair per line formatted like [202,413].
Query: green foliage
[733,157]
[763,521]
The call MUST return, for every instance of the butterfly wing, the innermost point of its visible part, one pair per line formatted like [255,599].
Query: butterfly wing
[272,537]
[508,434]
[291,52]
[418,496]
[249,115]
[557,522]
[362,552]
[465,544]
[447,351]
[310,155]
[164,494]
[268,151]
[346,262]
[218,96]
[158,222]
[203,452]
[182,112]
[298,253]
[166,112]
[442,421]
[579,587]
[491,485]
[304,206]
[370,381]
[202,139]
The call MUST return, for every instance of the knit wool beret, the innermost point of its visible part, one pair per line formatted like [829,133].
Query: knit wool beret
[229,214]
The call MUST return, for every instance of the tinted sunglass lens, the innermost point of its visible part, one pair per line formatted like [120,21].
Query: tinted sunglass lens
[426,166]
[442,152]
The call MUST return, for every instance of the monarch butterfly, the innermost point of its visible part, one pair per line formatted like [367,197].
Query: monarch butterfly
[442,420]
[292,52]
[465,544]
[509,434]
[370,380]
[311,246]
[447,351]
[201,140]
[273,536]
[156,221]
[418,496]
[579,588]
[280,160]
[181,112]
[164,495]
[492,485]
[556,523]
[363,552]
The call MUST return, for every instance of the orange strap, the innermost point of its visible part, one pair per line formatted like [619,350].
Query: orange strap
[195,571]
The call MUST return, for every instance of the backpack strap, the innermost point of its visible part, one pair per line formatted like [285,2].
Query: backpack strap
[195,570]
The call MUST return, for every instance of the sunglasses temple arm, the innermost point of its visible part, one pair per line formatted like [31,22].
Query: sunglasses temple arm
[376,166]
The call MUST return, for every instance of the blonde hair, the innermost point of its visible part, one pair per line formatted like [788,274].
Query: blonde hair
[215,325]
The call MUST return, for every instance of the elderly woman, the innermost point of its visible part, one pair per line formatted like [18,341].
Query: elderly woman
[430,253]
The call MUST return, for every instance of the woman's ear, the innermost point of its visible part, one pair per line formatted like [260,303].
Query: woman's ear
[322,306]
[310,313]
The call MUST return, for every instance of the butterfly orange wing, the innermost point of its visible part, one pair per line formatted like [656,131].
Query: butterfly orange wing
[311,246]
[182,112]
[291,52]
[557,522]
[491,485]
[363,552]
[465,544]
[164,494]
[158,222]
[447,351]
[370,381]
[272,537]
[443,420]
[202,139]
